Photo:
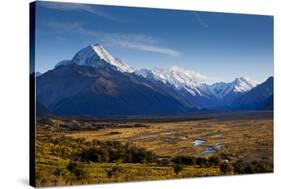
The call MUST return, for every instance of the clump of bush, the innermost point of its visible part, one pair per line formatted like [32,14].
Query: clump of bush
[226,168]
[163,161]
[113,171]
[241,167]
[215,160]
[198,161]
[178,168]
[76,169]
[113,151]
[186,160]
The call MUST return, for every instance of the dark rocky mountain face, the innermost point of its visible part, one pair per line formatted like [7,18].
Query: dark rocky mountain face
[41,110]
[84,90]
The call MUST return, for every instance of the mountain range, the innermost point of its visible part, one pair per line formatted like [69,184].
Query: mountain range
[95,83]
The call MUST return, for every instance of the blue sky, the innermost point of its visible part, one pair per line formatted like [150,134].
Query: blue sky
[217,45]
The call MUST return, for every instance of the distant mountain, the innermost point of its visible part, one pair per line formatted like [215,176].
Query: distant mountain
[95,83]
[186,85]
[38,74]
[226,93]
[41,110]
[222,90]
[80,87]
[178,77]
[192,85]
[260,97]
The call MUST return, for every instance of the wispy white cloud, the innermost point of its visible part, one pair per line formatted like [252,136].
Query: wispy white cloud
[121,40]
[136,41]
[149,48]
[77,7]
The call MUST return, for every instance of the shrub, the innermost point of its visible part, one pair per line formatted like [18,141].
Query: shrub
[215,160]
[77,170]
[226,168]
[113,171]
[241,167]
[178,168]
[91,154]
[163,162]
[116,152]
[186,160]
[59,172]
[202,162]
[72,166]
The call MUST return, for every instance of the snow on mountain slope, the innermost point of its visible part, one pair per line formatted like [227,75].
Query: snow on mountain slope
[97,56]
[178,77]
[239,85]
[243,84]
[145,73]
[194,82]
[182,79]
[261,97]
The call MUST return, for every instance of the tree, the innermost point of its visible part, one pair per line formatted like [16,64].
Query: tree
[104,156]
[215,160]
[241,167]
[202,162]
[178,168]
[72,166]
[111,151]
[78,171]
[113,171]
[186,160]
[226,168]
[163,162]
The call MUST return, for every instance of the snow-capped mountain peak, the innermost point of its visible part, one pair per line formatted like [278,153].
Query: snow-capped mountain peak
[102,53]
[222,89]
[97,56]
[243,84]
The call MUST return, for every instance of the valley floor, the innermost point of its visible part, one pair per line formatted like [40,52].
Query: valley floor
[68,151]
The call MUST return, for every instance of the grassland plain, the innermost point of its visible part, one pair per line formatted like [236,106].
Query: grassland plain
[238,141]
